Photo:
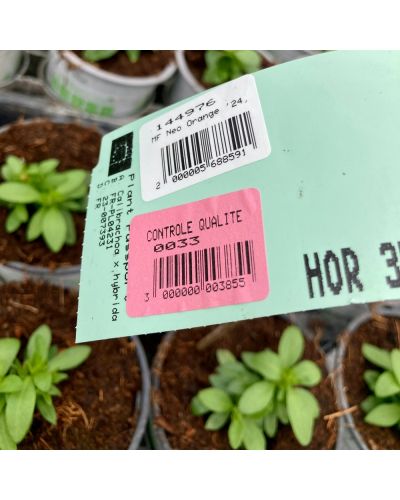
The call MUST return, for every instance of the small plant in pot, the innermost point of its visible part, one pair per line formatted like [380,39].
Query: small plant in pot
[254,384]
[368,377]
[58,395]
[109,83]
[43,188]
[202,69]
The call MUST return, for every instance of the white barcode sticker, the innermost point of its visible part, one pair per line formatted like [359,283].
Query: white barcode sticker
[218,131]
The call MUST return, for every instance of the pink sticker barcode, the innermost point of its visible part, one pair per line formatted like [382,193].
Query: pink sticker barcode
[209,253]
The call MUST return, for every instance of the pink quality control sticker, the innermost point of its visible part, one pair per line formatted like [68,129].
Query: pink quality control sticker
[208,253]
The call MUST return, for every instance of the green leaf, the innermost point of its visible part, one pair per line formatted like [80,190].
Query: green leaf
[133,55]
[266,362]
[71,231]
[54,391]
[236,431]
[370,378]
[35,225]
[270,425]
[301,407]
[12,221]
[197,407]
[377,356]
[216,421]
[47,410]
[384,415]
[47,166]
[219,381]
[58,377]
[239,384]
[291,346]
[253,436]
[11,383]
[370,403]
[21,212]
[307,373]
[231,369]
[215,399]
[43,381]
[98,55]
[395,360]
[17,192]
[386,385]
[8,351]
[79,194]
[6,441]
[69,358]
[224,356]
[249,59]
[282,413]
[39,343]
[2,402]
[72,180]
[256,397]
[19,410]
[54,229]
[14,167]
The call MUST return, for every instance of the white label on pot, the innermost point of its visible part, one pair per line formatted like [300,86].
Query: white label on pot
[216,132]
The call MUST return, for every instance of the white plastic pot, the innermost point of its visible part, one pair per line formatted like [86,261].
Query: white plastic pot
[98,92]
[12,64]
[186,84]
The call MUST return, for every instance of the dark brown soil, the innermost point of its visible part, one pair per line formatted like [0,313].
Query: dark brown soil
[186,369]
[97,408]
[150,63]
[385,333]
[75,146]
[197,64]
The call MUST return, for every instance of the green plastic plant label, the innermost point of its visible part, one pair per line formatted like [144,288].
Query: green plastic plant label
[287,201]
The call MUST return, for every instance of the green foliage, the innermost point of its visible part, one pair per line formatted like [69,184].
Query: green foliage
[253,396]
[43,198]
[382,407]
[225,65]
[32,382]
[101,55]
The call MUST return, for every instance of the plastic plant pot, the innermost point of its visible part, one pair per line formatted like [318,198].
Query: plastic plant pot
[349,437]
[64,276]
[157,434]
[17,271]
[112,395]
[98,92]
[142,398]
[186,84]
[13,63]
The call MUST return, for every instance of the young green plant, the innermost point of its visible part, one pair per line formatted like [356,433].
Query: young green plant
[32,382]
[101,55]
[225,65]
[39,196]
[382,407]
[265,389]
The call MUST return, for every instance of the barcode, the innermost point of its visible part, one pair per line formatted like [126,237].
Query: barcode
[198,267]
[207,144]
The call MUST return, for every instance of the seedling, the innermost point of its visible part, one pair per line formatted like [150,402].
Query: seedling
[32,383]
[101,55]
[382,407]
[41,197]
[254,395]
[225,65]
